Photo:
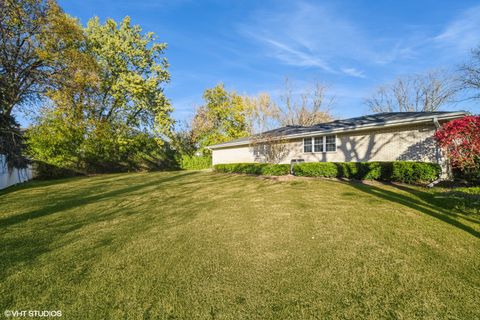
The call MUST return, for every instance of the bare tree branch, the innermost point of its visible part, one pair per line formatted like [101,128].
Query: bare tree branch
[470,74]
[269,148]
[427,92]
[304,108]
[311,106]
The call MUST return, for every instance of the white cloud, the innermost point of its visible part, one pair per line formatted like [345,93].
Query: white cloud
[291,56]
[353,72]
[313,35]
[463,33]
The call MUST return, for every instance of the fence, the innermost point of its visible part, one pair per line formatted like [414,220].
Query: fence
[9,177]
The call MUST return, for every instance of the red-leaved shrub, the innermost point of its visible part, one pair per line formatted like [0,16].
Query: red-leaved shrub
[460,139]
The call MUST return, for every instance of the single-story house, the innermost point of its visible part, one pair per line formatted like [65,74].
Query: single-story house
[385,136]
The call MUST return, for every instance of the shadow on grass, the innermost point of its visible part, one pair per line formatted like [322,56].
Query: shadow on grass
[427,207]
[32,184]
[453,200]
[23,248]
[36,183]
[76,200]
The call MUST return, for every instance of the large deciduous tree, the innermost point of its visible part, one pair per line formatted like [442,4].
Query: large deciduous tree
[470,74]
[112,107]
[22,70]
[422,92]
[305,107]
[309,107]
[132,70]
[223,117]
[34,36]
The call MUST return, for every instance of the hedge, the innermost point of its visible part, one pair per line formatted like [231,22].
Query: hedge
[316,169]
[254,168]
[195,162]
[412,172]
[400,171]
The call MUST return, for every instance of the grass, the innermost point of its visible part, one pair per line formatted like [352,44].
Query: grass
[200,245]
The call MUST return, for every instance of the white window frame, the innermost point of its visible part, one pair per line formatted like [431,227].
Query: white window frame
[311,145]
[324,144]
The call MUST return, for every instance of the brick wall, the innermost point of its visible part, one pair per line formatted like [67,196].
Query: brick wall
[410,143]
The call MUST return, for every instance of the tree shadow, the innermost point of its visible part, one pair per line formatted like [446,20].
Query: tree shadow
[370,143]
[424,150]
[445,202]
[33,184]
[76,200]
[22,245]
[424,207]
[40,183]
[367,146]
[179,198]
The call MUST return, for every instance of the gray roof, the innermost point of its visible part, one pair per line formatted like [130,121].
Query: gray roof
[352,124]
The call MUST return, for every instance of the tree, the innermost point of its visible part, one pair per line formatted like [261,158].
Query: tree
[262,113]
[309,108]
[269,148]
[22,71]
[57,139]
[112,107]
[182,139]
[27,28]
[132,70]
[223,117]
[12,142]
[427,92]
[460,139]
[470,74]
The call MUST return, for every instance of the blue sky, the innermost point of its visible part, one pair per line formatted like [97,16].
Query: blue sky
[251,46]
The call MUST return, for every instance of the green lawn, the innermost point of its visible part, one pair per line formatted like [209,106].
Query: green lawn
[200,245]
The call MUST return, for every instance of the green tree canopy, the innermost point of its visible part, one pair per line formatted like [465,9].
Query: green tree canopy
[35,39]
[112,107]
[223,117]
[132,69]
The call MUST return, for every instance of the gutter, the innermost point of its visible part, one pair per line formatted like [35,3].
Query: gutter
[436,123]
[393,123]
[445,171]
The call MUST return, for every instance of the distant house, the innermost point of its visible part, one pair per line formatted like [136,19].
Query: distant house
[378,137]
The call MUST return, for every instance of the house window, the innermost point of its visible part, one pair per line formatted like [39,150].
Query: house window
[320,144]
[307,145]
[330,144]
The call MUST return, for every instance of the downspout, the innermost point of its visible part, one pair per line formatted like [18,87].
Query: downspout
[440,159]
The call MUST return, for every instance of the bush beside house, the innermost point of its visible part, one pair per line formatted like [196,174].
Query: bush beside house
[460,140]
[413,172]
[400,171]
[254,168]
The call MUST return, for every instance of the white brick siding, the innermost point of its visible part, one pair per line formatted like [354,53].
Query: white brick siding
[411,143]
